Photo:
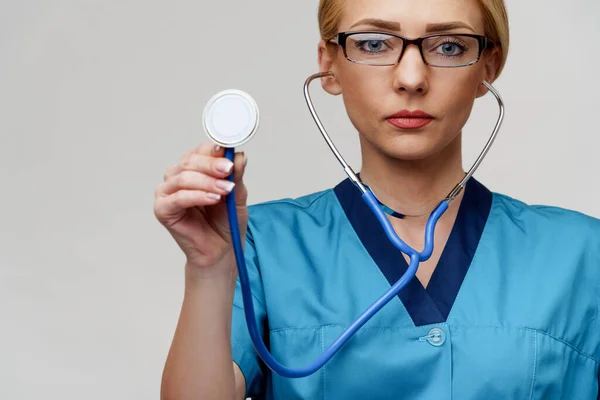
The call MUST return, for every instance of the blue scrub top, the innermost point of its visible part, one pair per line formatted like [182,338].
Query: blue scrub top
[511,311]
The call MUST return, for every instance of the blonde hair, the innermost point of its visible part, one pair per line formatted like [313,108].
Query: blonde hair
[495,20]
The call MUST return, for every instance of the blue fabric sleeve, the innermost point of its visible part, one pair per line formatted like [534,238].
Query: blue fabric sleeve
[242,349]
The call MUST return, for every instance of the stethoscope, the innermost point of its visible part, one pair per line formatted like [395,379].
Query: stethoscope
[230,119]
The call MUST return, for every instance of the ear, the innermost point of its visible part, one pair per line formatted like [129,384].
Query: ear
[491,59]
[327,57]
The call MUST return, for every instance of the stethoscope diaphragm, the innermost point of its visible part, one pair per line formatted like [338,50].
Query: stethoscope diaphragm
[231,118]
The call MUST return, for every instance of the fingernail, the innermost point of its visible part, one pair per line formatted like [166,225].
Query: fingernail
[217,148]
[245,160]
[213,196]
[225,185]
[224,165]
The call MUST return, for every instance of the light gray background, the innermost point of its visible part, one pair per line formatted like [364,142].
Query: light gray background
[98,98]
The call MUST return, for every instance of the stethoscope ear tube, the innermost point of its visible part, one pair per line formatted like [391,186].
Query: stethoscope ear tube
[352,175]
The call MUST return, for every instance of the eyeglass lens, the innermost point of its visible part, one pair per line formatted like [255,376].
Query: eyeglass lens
[383,49]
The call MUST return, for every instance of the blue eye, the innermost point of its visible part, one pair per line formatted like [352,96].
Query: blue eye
[372,46]
[451,49]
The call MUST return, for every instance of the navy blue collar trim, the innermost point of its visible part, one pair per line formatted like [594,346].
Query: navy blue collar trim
[431,305]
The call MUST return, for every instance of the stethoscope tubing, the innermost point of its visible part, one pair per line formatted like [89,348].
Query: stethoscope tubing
[257,341]
[415,257]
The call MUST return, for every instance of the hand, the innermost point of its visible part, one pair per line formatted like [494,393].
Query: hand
[190,203]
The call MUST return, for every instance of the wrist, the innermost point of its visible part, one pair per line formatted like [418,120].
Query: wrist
[222,271]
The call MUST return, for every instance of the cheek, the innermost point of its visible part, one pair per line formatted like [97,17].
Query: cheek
[365,97]
[360,87]
[457,97]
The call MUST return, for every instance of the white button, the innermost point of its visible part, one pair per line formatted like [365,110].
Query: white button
[436,337]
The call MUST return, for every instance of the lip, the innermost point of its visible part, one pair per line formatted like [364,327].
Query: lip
[411,114]
[406,119]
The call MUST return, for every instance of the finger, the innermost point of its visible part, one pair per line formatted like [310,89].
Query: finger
[209,149]
[215,166]
[203,148]
[187,154]
[241,193]
[184,199]
[192,180]
[172,170]
[240,160]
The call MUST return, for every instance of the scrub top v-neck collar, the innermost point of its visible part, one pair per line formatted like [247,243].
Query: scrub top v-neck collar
[429,305]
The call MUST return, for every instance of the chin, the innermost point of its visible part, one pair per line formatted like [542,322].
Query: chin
[409,155]
[410,148]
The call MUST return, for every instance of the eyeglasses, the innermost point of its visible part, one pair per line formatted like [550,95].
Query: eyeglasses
[439,50]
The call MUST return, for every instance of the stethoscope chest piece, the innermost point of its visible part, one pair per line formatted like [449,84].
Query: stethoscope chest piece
[231,118]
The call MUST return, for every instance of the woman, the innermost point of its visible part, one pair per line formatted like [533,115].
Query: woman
[507,306]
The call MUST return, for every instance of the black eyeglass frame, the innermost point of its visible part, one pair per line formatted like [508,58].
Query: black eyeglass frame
[341,38]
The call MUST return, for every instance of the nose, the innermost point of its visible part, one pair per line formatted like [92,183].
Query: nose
[411,73]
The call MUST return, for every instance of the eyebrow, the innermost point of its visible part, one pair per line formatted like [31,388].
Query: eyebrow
[379,23]
[395,26]
[447,26]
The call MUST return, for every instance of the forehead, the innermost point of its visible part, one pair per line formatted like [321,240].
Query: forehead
[413,15]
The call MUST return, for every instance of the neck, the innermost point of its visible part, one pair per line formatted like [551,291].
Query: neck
[412,187]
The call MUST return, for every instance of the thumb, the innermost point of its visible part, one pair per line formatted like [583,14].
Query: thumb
[239,167]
